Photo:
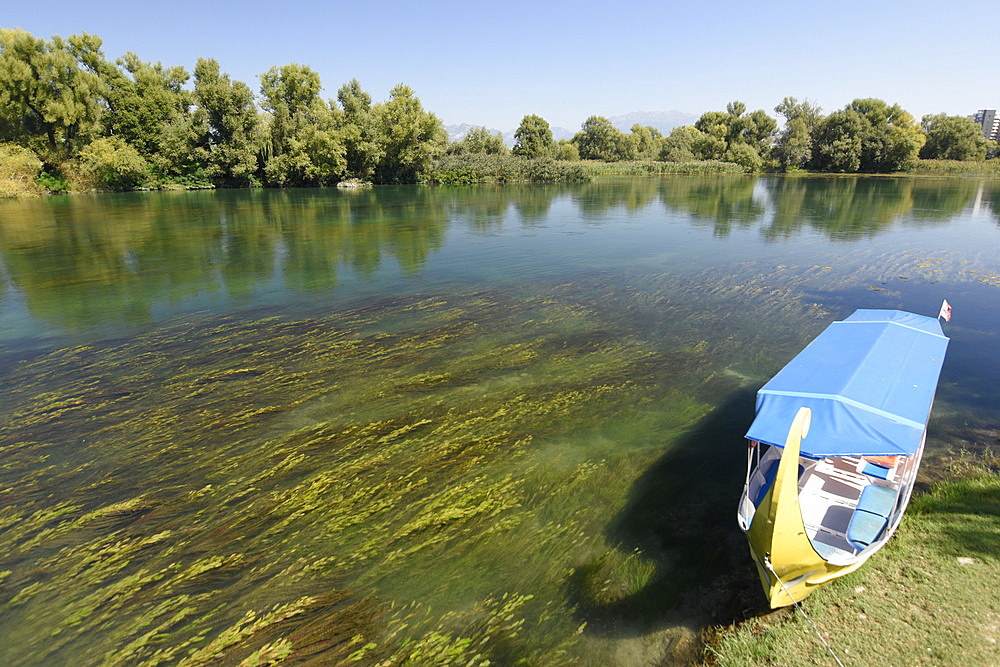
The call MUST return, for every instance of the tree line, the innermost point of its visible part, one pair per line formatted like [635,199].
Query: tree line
[70,118]
[129,122]
[868,135]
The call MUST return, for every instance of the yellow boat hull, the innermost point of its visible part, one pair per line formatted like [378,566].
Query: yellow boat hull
[788,565]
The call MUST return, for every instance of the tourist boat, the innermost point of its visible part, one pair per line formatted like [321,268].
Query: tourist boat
[834,449]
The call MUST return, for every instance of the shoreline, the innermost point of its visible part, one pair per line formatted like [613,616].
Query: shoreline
[927,598]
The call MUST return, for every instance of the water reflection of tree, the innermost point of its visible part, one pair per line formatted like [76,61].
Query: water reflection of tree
[81,261]
[596,198]
[724,201]
[942,199]
[481,208]
[849,208]
[533,202]
[991,196]
[84,260]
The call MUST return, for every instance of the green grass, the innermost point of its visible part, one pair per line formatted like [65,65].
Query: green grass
[928,597]
[956,168]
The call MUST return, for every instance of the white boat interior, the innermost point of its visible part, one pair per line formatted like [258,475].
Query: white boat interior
[830,490]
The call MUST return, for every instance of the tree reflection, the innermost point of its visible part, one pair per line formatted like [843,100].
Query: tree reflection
[82,261]
[86,260]
[724,201]
[596,198]
[851,207]
[989,194]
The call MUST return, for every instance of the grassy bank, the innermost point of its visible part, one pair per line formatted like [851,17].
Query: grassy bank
[928,597]
[989,168]
[655,167]
[480,168]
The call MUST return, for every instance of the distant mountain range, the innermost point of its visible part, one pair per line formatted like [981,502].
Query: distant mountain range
[664,121]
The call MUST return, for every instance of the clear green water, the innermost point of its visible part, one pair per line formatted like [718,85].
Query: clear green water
[441,426]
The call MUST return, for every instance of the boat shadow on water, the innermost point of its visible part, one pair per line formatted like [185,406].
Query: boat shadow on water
[681,515]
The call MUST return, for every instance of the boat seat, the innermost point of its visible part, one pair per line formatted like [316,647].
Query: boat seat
[826,551]
[865,528]
[873,470]
[871,516]
[878,500]
[769,475]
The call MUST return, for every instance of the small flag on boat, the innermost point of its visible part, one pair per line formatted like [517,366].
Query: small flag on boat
[945,311]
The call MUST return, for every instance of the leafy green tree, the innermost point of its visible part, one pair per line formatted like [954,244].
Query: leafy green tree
[713,139]
[410,137]
[224,128]
[794,145]
[744,155]
[838,142]
[533,137]
[479,140]
[565,150]
[891,139]
[358,132]
[952,138]
[792,109]
[113,163]
[723,132]
[648,141]
[680,145]
[756,129]
[305,146]
[50,91]
[598,139]
[142,100]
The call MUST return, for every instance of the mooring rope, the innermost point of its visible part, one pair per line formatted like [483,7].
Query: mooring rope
[767,562]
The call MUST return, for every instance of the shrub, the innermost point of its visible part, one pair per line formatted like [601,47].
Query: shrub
[53,182]
[565,150]
[482,168]
[656,168]
[113,163]
[746,156]
[19,168]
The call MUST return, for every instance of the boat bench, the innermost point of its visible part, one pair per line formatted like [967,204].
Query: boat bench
[871,516]
[765,486]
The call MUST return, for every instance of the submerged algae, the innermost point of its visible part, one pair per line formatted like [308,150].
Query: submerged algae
[411,479]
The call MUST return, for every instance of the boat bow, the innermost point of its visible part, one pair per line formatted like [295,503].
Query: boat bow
[788,565]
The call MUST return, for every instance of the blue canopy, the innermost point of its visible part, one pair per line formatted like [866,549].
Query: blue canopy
[869,381]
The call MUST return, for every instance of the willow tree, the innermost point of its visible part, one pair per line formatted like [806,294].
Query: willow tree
[794,145]
[891,139]
[648,141]
[479,141]
[533,137]
[599,139]
[50,92]
[838,142]
[362,150]
[410,138]
[735,135]
[305,146]
[952,138]
[143,99]
[224,125]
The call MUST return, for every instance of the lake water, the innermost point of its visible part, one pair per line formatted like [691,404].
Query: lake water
[443,425]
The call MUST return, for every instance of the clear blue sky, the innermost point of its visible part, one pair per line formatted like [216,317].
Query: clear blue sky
[492,63]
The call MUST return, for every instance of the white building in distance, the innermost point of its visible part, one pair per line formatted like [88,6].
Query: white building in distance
[989,121]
